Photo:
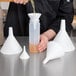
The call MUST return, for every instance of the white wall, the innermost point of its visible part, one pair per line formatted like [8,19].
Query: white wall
[4,5]
[74,3]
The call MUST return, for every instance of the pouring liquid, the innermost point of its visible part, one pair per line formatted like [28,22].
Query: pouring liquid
[33,47]
[33,5]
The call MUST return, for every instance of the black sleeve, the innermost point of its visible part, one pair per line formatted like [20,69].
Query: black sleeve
[66,12]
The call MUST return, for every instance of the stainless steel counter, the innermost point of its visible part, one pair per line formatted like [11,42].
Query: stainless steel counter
[13,66]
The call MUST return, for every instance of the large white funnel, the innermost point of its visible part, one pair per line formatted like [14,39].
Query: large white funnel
[63,38]
[11,45]
[24,54]
[54,51]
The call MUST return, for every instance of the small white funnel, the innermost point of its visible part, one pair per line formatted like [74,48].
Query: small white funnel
[54,51]
[11,45]
[63,38]
[24,54]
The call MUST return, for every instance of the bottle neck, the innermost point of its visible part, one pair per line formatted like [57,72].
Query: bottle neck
[34,20]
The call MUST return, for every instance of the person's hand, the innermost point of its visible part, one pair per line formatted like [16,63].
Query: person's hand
[43,43]
[21,1]
[44,38]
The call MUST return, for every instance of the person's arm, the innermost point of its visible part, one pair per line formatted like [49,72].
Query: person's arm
[21,1]
[68,14]
[50,34]
[44,38]
[65,12]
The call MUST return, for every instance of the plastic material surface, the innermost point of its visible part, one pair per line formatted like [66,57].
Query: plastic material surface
[54,51]
[34,31]
[11,45]
[63,38]
[24,54]
[61,44]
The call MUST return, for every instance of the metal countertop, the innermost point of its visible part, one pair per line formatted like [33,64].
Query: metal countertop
[13,66]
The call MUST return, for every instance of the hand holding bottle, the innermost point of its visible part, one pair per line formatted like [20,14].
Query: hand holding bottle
[43,43]
[44,38]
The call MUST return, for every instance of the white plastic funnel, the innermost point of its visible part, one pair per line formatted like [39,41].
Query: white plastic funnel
[11,45]
[24,54]
[63,38]
[54,51]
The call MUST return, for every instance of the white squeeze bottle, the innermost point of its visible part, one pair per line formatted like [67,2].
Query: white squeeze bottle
[34,31]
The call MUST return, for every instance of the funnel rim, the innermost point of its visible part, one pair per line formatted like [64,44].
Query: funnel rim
[34,13]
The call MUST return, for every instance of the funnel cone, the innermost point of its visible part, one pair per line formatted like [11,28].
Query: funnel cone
[24,54]
[63,38]
[54,51]
[11,45]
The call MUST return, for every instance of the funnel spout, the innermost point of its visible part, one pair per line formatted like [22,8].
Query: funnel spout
[10,31]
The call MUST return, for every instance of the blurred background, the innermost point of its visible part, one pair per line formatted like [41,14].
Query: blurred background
[5,5]
[74,6]
[74,20]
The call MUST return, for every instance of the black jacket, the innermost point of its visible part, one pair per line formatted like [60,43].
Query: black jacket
[52,12]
